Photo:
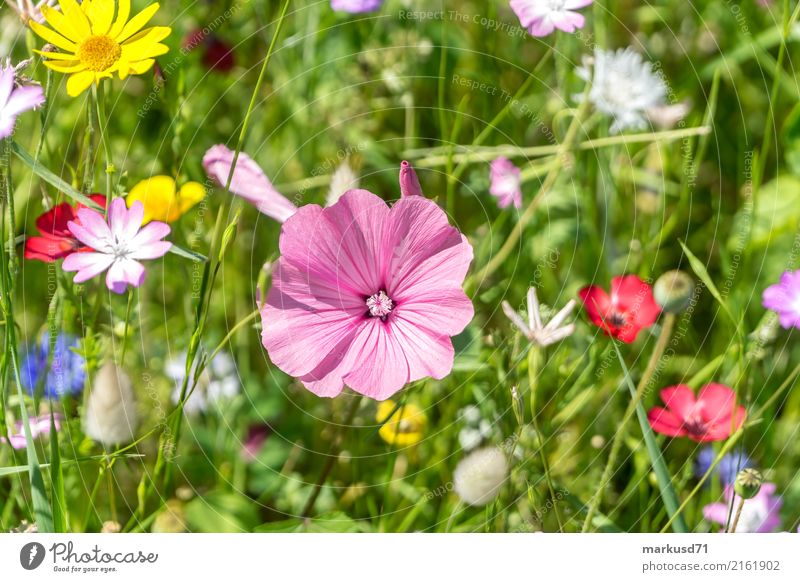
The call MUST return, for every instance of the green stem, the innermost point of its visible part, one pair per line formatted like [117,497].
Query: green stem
[333,454]
[511,242]
[616,444]
[170,439]
[102,123]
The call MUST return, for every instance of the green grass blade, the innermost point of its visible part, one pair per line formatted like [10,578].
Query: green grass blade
[668,495]
[57,481]
[49,177]
[187,254]
[41,506]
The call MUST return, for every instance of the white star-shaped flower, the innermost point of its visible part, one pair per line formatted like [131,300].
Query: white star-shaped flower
[534,330]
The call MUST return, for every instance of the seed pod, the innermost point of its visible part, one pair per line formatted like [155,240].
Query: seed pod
[673,291]
[748,483]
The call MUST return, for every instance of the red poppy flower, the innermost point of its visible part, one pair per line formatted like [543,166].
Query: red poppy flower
[712,416]
[629,309]
[57,241]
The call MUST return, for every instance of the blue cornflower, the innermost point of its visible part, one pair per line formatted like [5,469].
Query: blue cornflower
[727,468]
[67,370]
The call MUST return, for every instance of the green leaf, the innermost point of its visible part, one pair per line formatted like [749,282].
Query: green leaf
[668,495]
[186,254]
[51,178]
[221,512]
[700,270]
[57,481]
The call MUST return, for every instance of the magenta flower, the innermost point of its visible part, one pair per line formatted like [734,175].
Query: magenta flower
[761,514]
[117,246]
[367,295]
[541,17]
[15,99]
[356,6]
[249,182]
[784,299]
[40,425]
[505,183]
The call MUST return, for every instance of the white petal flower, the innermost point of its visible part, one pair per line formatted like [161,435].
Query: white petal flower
[624,86]
[534,330]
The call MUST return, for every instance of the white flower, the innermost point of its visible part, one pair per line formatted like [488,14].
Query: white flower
[218,382]
[342,180]
[624,86]
[480,475]
[534,330]
[110,416]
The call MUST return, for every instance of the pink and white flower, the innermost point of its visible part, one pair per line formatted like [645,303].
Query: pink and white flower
[15,99]
[541,17]
[505,184]
[248,182]
[116,246]
[367,295]
[40,425]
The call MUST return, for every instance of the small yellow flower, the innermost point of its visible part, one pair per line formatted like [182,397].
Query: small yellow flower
[405,427]
[95,45]
[161,199]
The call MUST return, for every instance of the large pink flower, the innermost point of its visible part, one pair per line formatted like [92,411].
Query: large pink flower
[367,295]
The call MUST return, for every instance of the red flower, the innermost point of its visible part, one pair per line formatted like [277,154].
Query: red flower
[712,416]
[217,54]
[57,241]
[630,308]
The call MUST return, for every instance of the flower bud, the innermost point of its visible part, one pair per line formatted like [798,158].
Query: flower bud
[673,291]
[409,183]
[748,483]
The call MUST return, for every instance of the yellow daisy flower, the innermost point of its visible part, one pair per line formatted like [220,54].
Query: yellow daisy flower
[95,45]
[162,200]
[406,427]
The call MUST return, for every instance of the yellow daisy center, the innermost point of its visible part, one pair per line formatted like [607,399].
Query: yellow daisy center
[98,53]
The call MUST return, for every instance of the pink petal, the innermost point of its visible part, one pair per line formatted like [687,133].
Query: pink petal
[88,265]
[421,250]
[568,21]
[150,233]
[445,312]
[125,222]
[340,244]
[248,181]
[716,512]
[23,99]
[381,368]
[428,354]
[304,320]
[541,27]
[153,250]
[91,229]
[123,273]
